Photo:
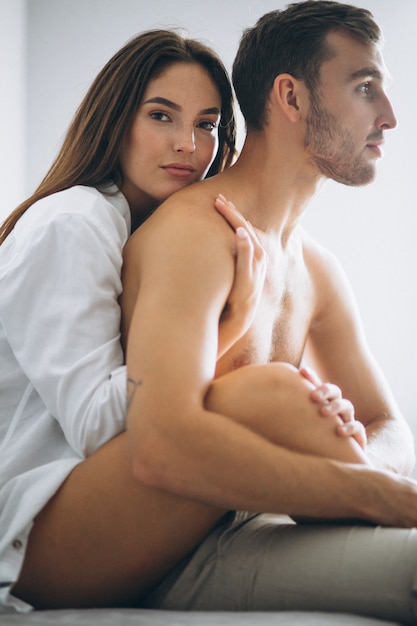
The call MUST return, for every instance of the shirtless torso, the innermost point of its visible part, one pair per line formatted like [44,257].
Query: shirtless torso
[294,292]
[285,311]
[289,299]
[306,312]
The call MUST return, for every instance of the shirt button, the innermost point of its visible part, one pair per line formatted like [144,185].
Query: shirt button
[17,544]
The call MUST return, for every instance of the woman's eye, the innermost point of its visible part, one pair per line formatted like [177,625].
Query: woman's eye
[160,116]
[208,125]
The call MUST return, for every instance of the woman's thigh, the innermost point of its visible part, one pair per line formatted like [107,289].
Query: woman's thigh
[104,538]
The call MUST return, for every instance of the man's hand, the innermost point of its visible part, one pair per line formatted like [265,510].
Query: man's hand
[329,397]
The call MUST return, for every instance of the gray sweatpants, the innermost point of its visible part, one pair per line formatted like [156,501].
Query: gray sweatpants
[257,563]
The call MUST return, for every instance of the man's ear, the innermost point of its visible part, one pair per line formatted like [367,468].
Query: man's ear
[287,92]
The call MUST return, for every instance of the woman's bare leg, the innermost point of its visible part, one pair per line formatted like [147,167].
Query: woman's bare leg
[105,539]
[273,400]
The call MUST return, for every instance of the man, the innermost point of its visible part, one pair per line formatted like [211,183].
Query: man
[311,85]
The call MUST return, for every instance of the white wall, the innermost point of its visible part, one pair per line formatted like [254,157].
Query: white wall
[373,230]
[12,103]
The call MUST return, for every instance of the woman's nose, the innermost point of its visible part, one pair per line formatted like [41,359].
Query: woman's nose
[185,140]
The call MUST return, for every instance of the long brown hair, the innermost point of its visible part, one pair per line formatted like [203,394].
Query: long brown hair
[90,153]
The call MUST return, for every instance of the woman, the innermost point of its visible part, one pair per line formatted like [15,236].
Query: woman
[63,383]
[67,491]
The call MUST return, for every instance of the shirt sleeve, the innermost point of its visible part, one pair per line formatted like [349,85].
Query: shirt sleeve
[59,306]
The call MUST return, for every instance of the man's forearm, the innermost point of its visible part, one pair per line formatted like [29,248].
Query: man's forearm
[246,472]
[304,486]
[391,445]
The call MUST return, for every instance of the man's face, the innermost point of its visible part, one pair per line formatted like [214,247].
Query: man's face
[347,118]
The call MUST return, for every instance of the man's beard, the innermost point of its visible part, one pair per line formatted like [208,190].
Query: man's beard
[332,148]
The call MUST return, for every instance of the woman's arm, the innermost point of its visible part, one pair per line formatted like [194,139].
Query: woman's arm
[250,270]
[60,280]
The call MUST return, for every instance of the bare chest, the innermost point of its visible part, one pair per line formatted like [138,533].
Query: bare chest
[282,320]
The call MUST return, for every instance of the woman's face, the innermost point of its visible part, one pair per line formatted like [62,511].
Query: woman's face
[174,136]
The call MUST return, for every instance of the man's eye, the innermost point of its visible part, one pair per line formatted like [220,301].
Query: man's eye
[365,88]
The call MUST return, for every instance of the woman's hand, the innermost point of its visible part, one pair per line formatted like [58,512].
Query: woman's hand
[331,402]
[251,262]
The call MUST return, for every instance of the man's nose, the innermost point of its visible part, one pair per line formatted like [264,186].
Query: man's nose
[387,119]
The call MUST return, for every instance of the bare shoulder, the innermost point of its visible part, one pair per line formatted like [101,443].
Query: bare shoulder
[322,263]
[187,211]
[332,288]
[186,234]
[194,203]
[184,239]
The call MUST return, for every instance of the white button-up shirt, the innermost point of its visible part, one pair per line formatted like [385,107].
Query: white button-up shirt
[62,378]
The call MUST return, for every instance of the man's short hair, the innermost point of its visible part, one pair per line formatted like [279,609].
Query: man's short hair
[292,41]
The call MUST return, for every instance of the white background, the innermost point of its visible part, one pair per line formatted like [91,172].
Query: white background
[50,51]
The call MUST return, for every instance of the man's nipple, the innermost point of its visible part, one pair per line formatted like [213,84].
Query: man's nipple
[242,360]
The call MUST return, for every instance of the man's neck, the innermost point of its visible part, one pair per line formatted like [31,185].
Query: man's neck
[271,185]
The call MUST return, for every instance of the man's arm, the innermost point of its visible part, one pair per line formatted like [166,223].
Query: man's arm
[185,269]
[338,350]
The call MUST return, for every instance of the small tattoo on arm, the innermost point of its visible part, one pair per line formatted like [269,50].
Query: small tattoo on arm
[132,385]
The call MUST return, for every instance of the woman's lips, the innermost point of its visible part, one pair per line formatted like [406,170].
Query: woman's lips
[181,170]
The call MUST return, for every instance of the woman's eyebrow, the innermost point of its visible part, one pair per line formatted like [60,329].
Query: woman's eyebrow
[176,107]
[164,101]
